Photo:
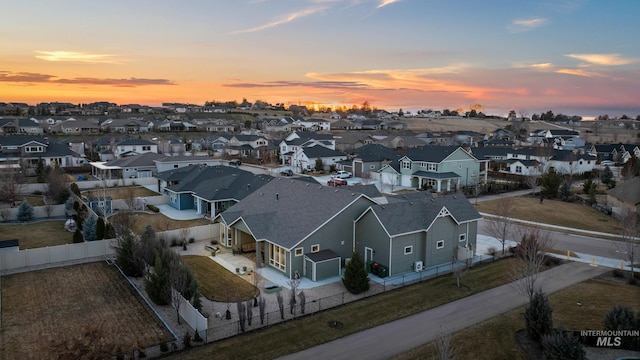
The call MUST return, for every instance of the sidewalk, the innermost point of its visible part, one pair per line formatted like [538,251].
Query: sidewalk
[385,341]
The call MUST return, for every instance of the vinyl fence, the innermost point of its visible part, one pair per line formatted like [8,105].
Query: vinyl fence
[219,327]
[53,256]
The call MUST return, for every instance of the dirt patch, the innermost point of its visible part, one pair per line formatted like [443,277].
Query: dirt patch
[41,307]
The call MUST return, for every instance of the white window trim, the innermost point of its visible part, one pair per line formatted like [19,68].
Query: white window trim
[408,250]
[440,244]
[301,250]
[315,246]
[462,237]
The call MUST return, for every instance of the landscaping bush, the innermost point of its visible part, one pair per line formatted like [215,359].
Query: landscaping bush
[173,242]
[153,208]
[620,317]
[191,240]
[561,345]
[75,189]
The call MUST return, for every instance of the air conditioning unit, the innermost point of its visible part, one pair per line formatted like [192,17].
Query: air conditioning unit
[417,266]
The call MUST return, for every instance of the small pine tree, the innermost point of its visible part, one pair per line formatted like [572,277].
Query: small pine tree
[100,228]
[77,236]
[25,212]
[89,228]
[550,183]
[109,231]
[157,283]
[538,316]
[40,173]
[565,191]
[607,175]
[620,317]
[319,165]
[127,256]
[355,277]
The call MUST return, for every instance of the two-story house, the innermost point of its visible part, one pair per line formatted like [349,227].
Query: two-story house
[291,145]
[132,146]
[439,168]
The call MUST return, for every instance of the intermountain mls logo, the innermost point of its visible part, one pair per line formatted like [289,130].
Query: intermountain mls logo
[610,338]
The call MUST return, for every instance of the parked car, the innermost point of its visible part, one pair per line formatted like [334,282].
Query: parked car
[287,172]
[235,162]
[343,174]
[337,182]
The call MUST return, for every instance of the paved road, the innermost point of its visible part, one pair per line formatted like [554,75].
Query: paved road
[579,243]
[385,341]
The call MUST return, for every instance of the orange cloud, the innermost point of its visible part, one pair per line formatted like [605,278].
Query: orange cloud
[384,3]
[579,72]
[602,59]
[74,56]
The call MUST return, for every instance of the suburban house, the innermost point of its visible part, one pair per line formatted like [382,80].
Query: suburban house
[322,238]
[418,233]
[209,190]
[619,153]
[20,126]
[73,126]
[29,150]
[440,168]
[125,126]
[370,158]
[130,167]
[249,146]
[625,197]
[537,160]
[314,124]
[167,163]
[296,227]
[132,146]
[306,157]
[291,145]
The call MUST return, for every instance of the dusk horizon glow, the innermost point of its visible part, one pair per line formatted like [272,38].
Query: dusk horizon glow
[576,57]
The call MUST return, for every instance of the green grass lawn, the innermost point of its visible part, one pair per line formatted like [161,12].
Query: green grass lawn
[217,283]
[495,338]
[37,235]
[276,341]
[555,212]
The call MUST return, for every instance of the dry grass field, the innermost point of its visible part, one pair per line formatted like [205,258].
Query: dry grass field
[37,235]
[160,222]
[39,307]
[495,338]
[217,283]
[555,212]
[122,192]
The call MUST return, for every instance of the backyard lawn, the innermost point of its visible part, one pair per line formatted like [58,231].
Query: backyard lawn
[555,212]
[121,192]
[160,222]
[53,305]
[37,235]
[495,338]
[217,283]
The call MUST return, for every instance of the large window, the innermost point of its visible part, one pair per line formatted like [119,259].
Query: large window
[277,257]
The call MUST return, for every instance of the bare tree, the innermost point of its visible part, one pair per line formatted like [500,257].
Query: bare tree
[48,206]
[12,184]
[444,344]
[181,281]
[529,257]
[5,214]
[500,226]
[630,231]
[184,233]
[130,196]
[249,306]
[294,284]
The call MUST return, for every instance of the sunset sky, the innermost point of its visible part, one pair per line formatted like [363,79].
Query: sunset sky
[569,56]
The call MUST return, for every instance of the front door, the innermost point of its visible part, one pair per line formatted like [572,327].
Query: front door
[368,254]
